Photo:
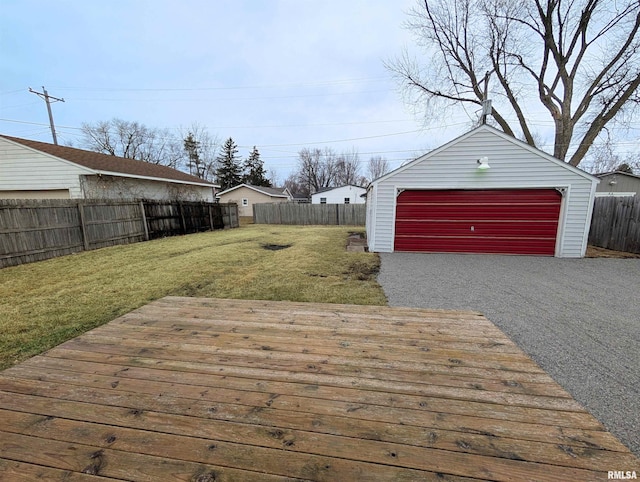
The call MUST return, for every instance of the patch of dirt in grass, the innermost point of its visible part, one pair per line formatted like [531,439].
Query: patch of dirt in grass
[362,270]
[275,247]
[597,252]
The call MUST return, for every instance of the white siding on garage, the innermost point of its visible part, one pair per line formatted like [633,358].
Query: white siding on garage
[23,169]
[513,165]
[371,214]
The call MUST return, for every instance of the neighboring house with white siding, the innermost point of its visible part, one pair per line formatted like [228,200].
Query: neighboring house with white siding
[38,170]
[349,194]
[484,192]
[246,195]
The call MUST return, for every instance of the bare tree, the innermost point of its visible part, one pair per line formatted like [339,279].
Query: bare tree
[581,60]
[316,168]
[377,167]
[133,140]
[296,186]
[347,169]
[603,158]
[273,177]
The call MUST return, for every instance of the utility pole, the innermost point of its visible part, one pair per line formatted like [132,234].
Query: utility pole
[44,95]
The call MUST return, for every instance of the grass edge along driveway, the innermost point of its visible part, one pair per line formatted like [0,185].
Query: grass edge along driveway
[46,303]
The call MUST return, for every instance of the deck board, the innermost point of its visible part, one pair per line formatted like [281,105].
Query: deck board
[205,389]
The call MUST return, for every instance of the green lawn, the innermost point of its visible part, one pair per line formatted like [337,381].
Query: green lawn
[43,304]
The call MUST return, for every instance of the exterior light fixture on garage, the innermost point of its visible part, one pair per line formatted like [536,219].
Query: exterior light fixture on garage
[483,163]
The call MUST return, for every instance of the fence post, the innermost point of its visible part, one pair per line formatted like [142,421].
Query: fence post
[83,227]
[144,221]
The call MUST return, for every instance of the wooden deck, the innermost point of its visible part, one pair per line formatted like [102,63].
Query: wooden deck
[227,390]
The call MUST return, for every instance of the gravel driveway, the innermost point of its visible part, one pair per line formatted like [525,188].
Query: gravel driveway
[579,319]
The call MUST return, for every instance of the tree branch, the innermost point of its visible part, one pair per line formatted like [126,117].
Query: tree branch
[607,113]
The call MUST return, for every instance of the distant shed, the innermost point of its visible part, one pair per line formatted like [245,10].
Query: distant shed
[484,192]
[618,184]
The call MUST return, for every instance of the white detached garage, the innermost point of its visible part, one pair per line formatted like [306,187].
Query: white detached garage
[484,192]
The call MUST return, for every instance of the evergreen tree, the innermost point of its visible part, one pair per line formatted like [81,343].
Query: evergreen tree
[254,170]
[229,172]
[191,147]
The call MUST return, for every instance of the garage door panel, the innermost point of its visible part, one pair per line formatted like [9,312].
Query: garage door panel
[478,228]
[540,247]
[486,221]
[476,212]
[486,195]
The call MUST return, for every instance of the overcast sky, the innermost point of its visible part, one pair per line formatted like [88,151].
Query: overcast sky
[278,74]
[281,75]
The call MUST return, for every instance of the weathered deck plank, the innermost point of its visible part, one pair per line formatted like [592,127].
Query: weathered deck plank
[203,389]
[242,391]
[305,363]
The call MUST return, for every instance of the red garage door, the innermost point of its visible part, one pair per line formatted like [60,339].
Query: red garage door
[521,221]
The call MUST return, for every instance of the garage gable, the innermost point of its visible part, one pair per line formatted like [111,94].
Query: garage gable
[513,166]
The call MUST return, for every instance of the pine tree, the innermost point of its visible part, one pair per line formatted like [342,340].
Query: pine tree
[254,170]
[191,147]
[229,172]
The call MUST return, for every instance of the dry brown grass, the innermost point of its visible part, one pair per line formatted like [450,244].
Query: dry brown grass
[46,303]
[596,252]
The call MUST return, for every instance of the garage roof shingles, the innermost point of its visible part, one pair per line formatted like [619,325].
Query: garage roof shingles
[108,163]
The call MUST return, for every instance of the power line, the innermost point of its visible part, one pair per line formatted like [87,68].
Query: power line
[8,92]
[268,126]
[338,140]
[229,99]
[242,87]
[8,107]
[326,124]
[15,121]
[269,146]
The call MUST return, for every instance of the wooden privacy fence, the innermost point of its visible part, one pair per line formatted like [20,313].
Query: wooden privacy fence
[616,223]
[172,218]
[42,229]
[307,214]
